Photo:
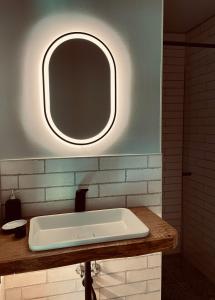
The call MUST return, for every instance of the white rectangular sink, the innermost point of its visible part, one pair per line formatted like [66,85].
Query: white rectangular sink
[73,229]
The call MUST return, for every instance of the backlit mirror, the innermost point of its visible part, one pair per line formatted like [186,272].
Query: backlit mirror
[79,82]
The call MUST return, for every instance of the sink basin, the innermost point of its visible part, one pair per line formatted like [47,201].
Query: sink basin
[73,229]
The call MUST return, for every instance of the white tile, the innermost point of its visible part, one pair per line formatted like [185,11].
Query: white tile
[62,273]
[118,298]
[48,289]
[24,279]
[154,254]
[71,164]
[106,202]
[13,167]
[99,177]
[154,261]
[109,280]
[69,296]
[26,196]
[143,174]
[154,186]
[153,285]
[122,290]
[2,290]
[150,296]
[31,195]
[127,188]
[60,193]
[13,294]
[123,162]
[63,193]
[155,161]
[44,208]
[124,264]
[79,285]
[156,209]
[140,275]
[46,180]
[9,182]
[144,200]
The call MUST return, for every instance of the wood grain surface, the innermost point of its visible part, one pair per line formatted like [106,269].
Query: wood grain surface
[16,257]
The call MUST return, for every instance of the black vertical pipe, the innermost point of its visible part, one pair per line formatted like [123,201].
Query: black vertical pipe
[87,280]
[80,203]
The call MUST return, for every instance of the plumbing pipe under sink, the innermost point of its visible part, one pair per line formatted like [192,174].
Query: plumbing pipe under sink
[80,205]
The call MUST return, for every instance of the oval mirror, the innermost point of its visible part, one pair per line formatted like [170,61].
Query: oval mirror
[79,80]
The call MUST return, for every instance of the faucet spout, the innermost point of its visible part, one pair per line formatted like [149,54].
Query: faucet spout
[80,200]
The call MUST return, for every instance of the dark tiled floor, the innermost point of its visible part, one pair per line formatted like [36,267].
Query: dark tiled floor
[181,281]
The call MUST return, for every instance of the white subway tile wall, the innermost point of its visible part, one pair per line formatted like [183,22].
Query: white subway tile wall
[199,154]
[49,186]
[2,290]
[172,137]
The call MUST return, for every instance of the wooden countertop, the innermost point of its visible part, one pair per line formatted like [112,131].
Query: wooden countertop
[15,256]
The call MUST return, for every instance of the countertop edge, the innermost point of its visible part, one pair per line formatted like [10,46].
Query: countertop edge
[162,237]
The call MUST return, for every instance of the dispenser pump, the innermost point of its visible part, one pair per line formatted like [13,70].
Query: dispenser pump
[12,208]
[12,195]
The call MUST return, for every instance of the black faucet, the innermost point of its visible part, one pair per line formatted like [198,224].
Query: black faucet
[80,200]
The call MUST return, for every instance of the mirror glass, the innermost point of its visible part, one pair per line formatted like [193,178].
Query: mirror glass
[79,78]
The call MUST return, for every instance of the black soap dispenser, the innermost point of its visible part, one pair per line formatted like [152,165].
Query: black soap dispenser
[12,208]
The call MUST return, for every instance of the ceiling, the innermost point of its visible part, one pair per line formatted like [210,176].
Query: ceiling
[182,15]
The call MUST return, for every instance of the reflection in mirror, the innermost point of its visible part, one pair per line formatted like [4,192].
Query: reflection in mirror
[79,80]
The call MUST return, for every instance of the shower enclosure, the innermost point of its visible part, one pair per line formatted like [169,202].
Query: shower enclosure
[189,144]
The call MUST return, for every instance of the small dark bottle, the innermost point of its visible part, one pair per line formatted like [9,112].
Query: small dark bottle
[12,208]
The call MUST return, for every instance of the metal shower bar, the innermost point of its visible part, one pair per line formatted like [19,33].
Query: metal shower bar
[188,44]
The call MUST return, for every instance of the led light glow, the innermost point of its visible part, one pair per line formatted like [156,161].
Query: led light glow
[46,61]
[44,142]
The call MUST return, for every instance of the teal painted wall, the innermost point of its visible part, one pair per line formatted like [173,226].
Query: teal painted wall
[138,23]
